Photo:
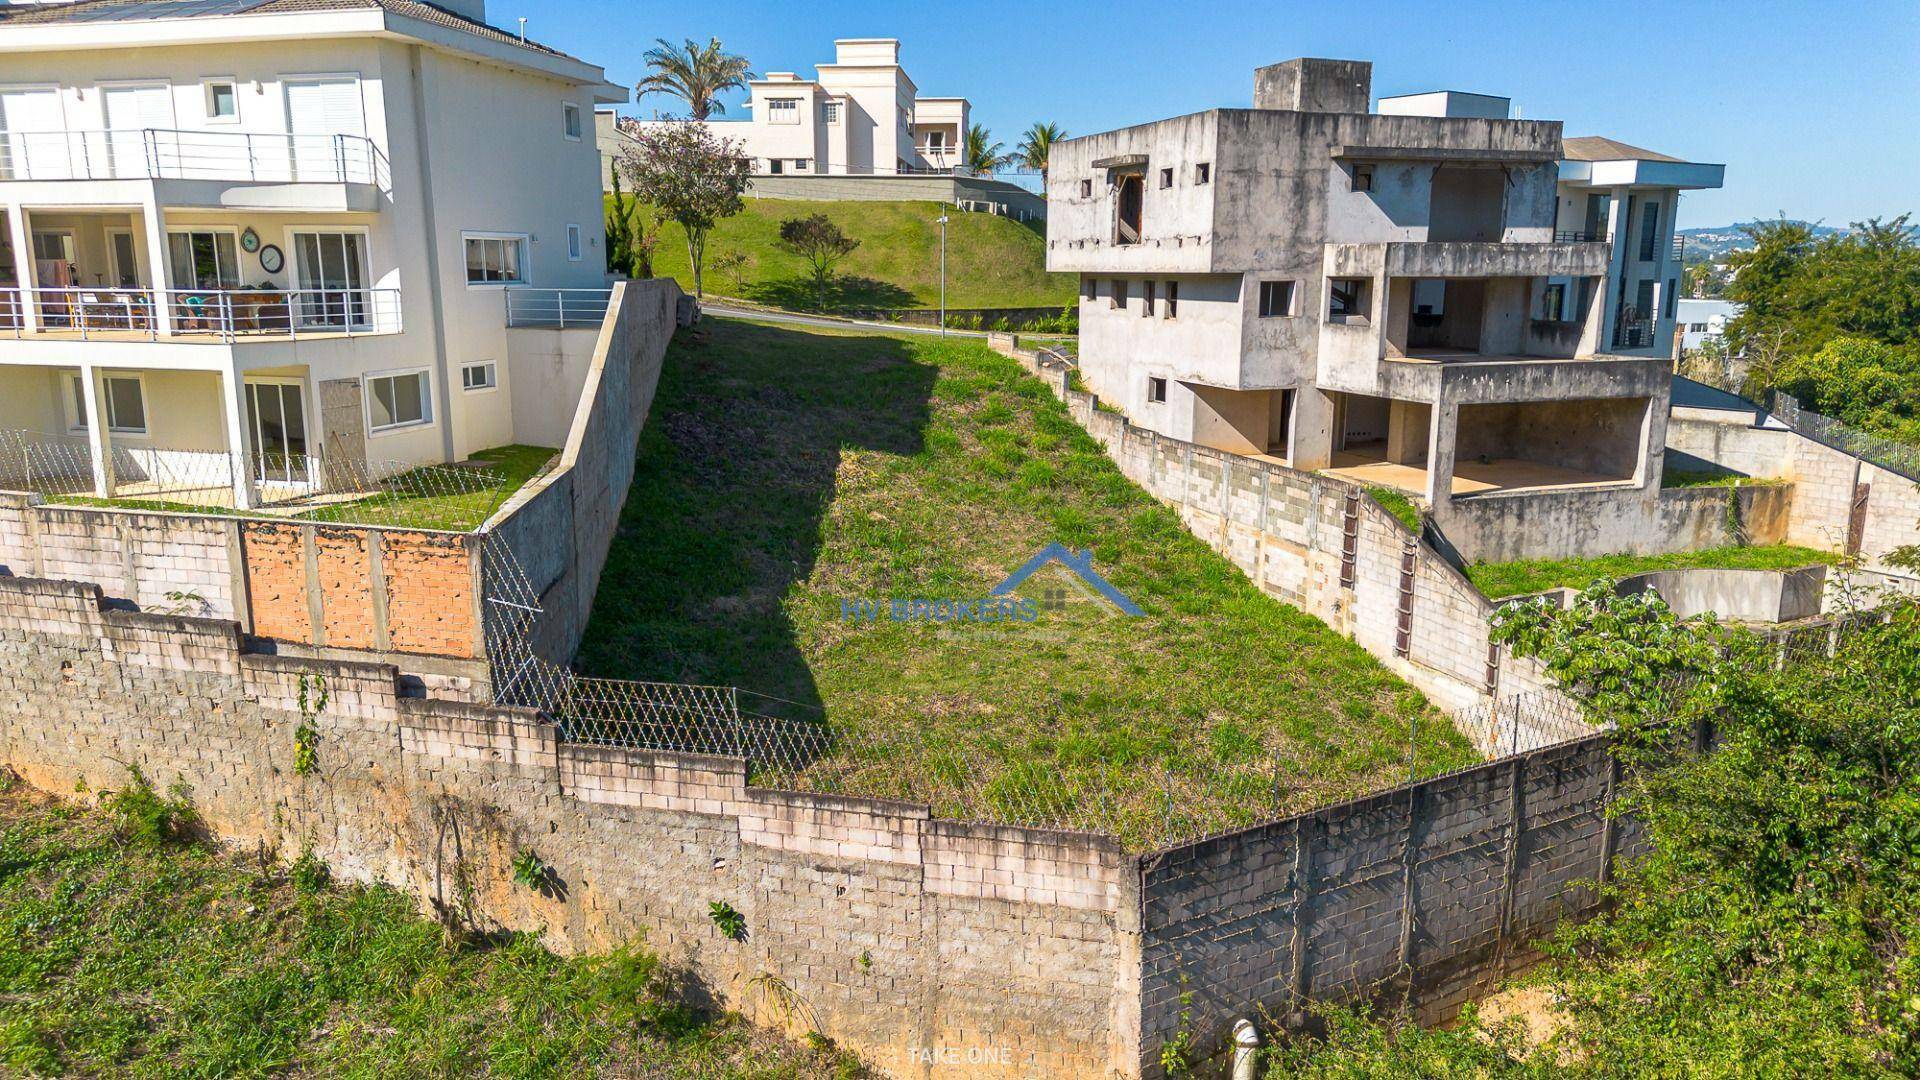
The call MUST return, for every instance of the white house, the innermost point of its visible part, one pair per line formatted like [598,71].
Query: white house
[1701,321]
[285,227]
[860,115]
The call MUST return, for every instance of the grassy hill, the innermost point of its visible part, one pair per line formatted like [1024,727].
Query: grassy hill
[991,261]
[787,476]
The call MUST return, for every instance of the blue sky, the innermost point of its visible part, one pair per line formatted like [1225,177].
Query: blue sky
[1813,107]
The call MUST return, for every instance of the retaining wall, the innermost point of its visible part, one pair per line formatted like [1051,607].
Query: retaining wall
[932,947]
[1826,483]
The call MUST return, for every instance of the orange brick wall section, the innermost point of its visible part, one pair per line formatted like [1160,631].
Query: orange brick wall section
[430,594]
[277,581]
[346,587]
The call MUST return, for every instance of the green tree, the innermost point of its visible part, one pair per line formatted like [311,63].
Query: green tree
[1810,289]
[980,154]
[819,241]
[696,74]
[630,241]
[1036,146]
[690,176]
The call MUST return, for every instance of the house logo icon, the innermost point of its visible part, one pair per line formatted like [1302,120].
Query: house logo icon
[1081,563]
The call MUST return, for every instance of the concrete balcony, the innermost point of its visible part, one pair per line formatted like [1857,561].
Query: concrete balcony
[210,169]
[1471,259]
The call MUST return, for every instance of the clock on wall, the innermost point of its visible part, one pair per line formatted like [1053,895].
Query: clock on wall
[271,260]
[249,240]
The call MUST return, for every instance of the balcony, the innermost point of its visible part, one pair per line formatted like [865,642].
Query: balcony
[196,316]
[167,154]
[1475,258]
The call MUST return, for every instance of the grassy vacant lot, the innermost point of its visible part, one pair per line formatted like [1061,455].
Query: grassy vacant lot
[1534,575]
[785,472]
[130,956]
[991,261]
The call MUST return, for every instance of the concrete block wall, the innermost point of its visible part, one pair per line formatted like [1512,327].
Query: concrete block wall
[932,947]
[1427,893]
[558,529]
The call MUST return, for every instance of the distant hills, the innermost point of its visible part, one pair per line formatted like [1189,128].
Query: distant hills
[1714,243]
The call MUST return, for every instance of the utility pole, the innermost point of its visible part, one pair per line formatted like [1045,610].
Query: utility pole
[942,222]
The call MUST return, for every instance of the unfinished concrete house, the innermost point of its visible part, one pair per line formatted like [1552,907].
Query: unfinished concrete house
[1429,296]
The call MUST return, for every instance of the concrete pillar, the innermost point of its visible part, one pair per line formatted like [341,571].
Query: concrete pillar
[99,440]
[1442,433]
[233,408]
[1653,443]
[1617,223]
[1399,315]
[161,274]
[1312,429]
[1503,316]
[1409,428]
[22,239]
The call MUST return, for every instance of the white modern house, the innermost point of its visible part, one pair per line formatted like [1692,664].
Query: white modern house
[1431,296]
[1700,321]
[860,115]
[292,228]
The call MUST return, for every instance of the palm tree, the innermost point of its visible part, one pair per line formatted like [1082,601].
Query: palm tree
[980,154]
[696,74]
[1037,144]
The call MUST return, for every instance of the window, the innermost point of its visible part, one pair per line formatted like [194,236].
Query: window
[1090,288]
[397,400]
[223,101]
[1203,173]
[1156,390]
[830,112]
[1649,230]
[936,140]
[1553,303]
[496,260]
[1118,298]
[573,243]
[1086,189]
[481,376]
[1166,178]
[1146,299]
[570,120]
[1347,298]
[1276,299]
[802,165]
[1696,328]
[776,166]
[1673,296]
[783,110]
[1173,299]
[1363,178]
[203,259]
[123,397]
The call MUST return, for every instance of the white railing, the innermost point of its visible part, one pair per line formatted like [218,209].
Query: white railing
[223,314]
[168,154]
[561,308]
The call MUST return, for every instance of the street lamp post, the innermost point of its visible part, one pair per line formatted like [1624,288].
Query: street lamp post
[942,222]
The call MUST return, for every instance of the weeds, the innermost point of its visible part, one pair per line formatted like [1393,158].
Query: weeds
[145,816]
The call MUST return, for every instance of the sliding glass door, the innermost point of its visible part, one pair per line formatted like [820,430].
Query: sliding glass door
[331,270]
[277,432]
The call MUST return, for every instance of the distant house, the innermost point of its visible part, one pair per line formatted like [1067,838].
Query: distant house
[1702,321]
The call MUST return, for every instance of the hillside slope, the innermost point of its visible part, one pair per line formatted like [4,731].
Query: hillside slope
[991,261]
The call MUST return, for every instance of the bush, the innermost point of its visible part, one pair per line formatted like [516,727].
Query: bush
[146,816]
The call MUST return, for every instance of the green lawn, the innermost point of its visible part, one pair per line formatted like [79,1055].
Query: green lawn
[432,497]
[991,261]
[122,956]
[786,471]
[1535,575]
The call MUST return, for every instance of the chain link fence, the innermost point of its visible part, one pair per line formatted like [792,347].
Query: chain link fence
[299,486]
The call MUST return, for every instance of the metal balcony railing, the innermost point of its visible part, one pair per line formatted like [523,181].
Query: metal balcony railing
[562,308]
[1568,237]
[216,315]
[168,154]
[1633,334]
